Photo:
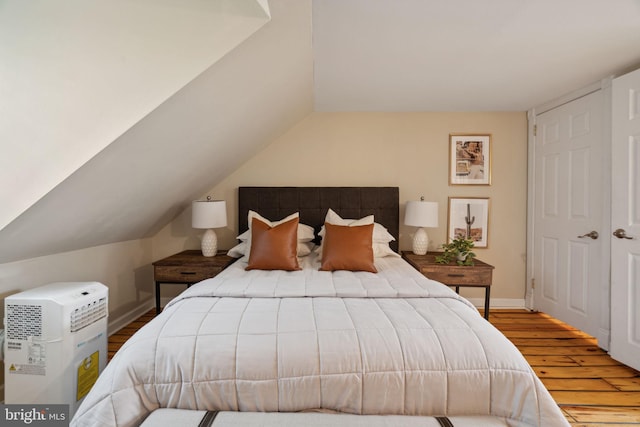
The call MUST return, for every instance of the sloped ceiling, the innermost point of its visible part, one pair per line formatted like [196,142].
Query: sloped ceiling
[173,155]
[363,55]
[75,75]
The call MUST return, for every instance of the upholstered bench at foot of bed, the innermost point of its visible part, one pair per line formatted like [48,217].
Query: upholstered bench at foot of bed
[191,418]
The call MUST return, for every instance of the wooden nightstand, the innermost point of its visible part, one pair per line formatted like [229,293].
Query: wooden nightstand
[475,276]
[186,268]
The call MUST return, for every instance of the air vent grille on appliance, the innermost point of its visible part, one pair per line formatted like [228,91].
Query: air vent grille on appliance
[23,320]
[88,314]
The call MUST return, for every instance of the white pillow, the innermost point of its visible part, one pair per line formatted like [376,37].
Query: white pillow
[380,233]
[241,249]
[238,250]
[381,250]
[335,219]
[305,232]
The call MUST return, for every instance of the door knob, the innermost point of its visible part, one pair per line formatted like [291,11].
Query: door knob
[621,234]
[594,235]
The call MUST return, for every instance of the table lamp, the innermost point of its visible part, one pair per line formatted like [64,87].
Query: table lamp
[421,214]
[209,214]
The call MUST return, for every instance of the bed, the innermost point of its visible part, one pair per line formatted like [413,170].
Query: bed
[313,347]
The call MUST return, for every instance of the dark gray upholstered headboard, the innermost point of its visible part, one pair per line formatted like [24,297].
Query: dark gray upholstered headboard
[275,203]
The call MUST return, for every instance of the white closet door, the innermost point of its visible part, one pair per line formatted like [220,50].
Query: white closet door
[568,203]
[625,221]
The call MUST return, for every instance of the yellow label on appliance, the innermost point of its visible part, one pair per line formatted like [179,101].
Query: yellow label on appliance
[87,374]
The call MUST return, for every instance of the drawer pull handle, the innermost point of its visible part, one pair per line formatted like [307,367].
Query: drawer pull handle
[188,273]
[455,275]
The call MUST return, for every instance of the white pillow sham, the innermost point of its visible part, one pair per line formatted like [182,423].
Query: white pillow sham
[305,232]
[380,233]
[381,250]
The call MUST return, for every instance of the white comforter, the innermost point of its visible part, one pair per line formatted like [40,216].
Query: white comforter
[361,343]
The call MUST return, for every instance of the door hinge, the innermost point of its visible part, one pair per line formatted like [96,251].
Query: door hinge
[535,130]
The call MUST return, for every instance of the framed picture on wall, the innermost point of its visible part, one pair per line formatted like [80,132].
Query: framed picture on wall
[469,217]
[469,159]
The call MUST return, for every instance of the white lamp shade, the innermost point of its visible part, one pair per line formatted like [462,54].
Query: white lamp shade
[209,214]
[421,214]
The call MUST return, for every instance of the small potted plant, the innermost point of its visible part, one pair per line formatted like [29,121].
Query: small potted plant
[460,250]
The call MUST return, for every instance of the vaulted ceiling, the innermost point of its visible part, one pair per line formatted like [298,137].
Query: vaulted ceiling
[111,122]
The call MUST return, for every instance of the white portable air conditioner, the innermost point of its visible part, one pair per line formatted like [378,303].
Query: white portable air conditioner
[55,343]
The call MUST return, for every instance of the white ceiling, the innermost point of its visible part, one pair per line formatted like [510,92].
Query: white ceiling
[466,55]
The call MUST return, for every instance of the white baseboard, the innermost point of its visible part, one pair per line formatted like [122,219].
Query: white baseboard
[116,324]
[499,302]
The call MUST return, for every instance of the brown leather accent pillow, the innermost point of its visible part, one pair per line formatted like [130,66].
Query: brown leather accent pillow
[274,248]
[347,248]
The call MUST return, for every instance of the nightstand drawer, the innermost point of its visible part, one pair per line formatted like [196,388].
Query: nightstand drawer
[184,274]
[459,276]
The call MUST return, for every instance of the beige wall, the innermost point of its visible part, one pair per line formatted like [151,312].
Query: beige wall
[408,150]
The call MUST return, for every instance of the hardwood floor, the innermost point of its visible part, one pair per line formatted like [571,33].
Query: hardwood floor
[591,388]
